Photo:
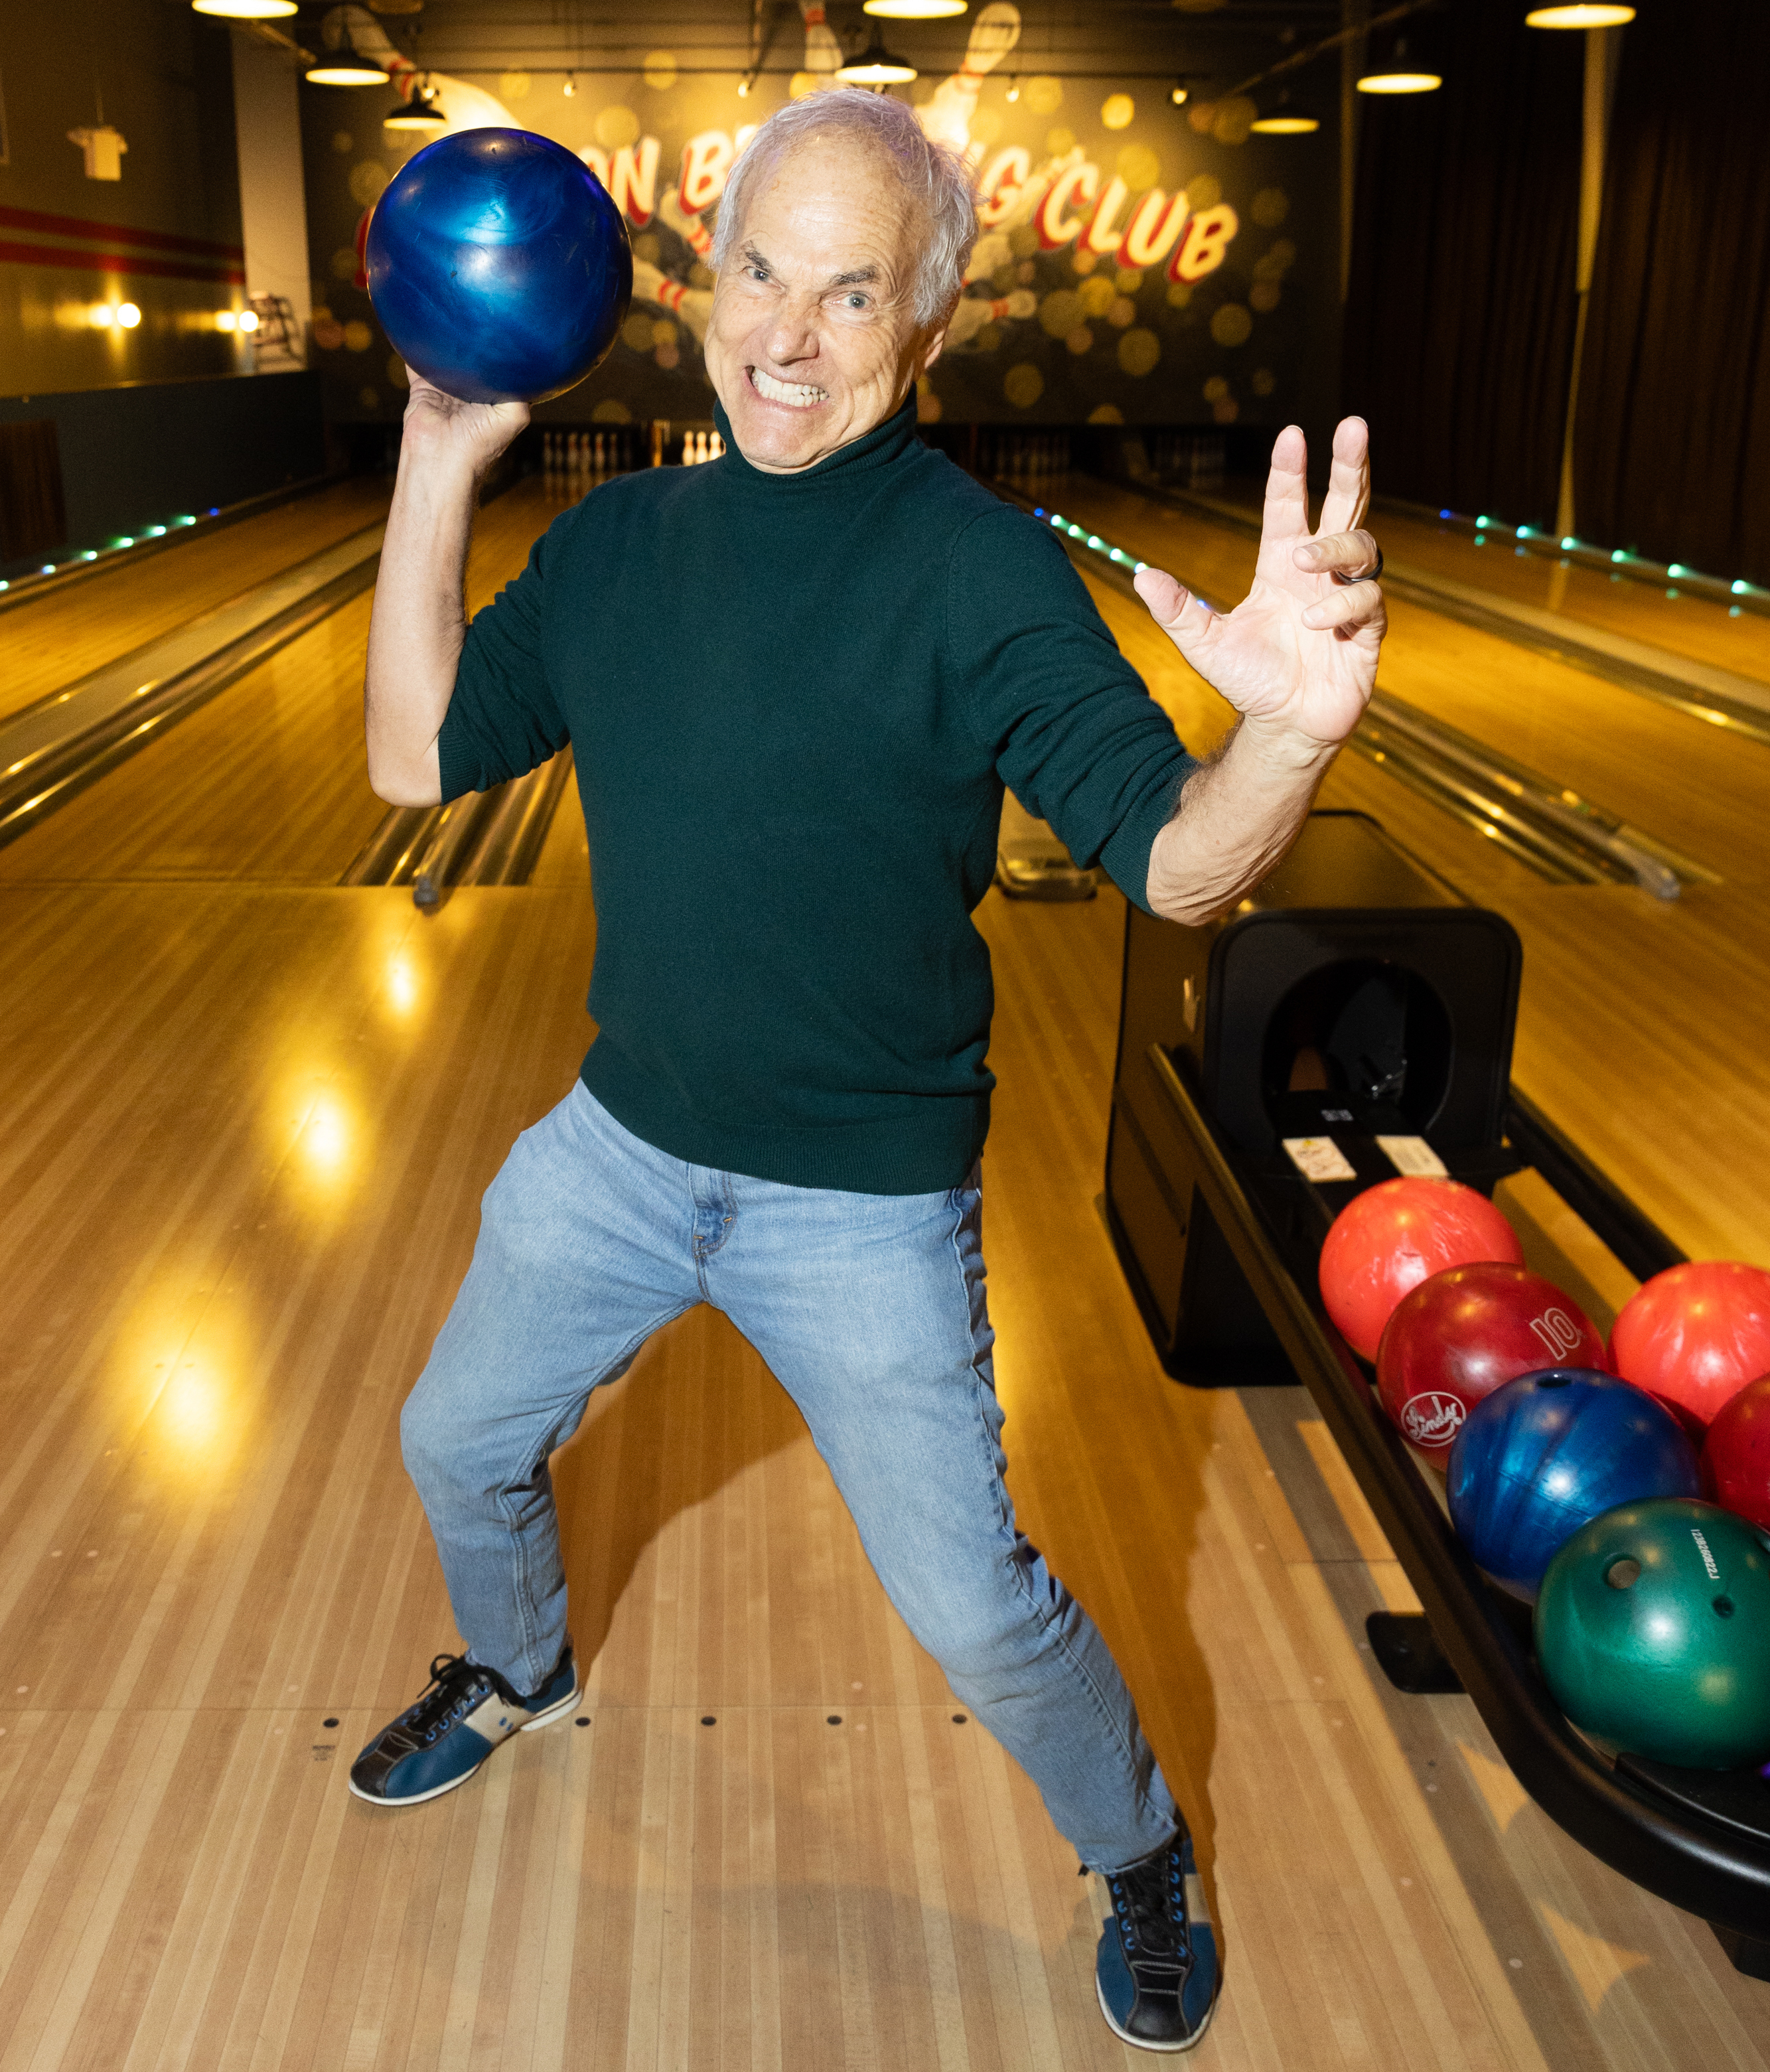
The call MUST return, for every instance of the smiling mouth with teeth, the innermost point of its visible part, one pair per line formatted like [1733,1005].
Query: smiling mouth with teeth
[796,395]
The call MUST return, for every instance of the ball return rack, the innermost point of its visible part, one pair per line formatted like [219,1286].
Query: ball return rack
[1355,1017]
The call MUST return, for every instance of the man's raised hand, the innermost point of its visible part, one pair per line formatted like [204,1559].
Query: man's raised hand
[441,427]
[1298,654]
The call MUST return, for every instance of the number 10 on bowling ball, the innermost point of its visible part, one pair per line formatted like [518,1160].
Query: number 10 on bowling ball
[1466,1332]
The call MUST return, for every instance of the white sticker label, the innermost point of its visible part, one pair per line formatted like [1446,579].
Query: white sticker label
[1319,1158]
[1415,1156]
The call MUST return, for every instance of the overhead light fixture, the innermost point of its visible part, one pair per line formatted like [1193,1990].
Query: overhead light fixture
[246,10]
[347,67]
[127,315]
[876,67]
[1286,120]
[1587,17]
[914,11]
[1014,86]
[570,87]
[421,112]
[1178,96]
[1399,76]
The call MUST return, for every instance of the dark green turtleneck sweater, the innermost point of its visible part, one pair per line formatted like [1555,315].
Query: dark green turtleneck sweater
[795,700]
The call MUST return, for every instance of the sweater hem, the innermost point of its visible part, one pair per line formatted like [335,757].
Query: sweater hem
[927,1155]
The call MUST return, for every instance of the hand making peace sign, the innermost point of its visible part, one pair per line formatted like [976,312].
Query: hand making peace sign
[1300,651]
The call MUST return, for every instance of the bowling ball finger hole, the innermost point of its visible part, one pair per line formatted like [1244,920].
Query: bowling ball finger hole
[1724,1606]
[1623,1575]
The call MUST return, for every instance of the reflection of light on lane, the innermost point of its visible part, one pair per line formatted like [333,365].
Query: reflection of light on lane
[328,1141]
[177,1362]
[402,985]
[193,1414]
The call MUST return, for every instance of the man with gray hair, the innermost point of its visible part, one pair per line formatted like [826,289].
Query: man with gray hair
[790,822]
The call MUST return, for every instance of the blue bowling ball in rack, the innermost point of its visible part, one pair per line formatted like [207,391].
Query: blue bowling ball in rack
[498,266]
[1542,1457]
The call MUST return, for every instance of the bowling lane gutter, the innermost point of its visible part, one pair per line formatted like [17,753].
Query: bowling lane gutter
[53,750]
[1564,837]
[1717,697]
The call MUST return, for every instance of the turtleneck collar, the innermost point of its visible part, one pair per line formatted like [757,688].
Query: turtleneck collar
[885,443]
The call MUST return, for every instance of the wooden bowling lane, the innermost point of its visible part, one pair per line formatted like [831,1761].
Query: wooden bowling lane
[56,640]
[242,1135]
[1695,787]
[1662,616]
[267,782]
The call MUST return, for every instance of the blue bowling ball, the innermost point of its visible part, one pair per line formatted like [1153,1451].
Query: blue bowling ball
[498,266]
[1542,1457]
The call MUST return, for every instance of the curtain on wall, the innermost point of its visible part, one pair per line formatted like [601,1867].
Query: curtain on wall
[1460,314]
[1672,437]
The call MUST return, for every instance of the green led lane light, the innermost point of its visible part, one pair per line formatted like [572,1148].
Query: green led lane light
[1569,542]
[90,554]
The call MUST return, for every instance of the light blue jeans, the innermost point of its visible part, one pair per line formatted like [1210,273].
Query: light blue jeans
[869,1309]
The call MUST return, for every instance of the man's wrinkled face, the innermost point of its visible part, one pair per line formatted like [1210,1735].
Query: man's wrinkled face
[814,338]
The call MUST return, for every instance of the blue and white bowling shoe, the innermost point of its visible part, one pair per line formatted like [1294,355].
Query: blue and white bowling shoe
[440,1741]
[1155,1969]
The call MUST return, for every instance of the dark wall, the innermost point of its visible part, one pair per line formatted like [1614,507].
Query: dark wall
[1460,317]
[164,236]
[134,457]
[1672,437]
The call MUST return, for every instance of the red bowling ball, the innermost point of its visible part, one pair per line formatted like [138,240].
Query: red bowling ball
[1466,1332]
[1736,1454]
[1696,1333]
[1389,1239]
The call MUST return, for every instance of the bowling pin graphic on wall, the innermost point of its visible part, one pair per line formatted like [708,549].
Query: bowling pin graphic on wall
[946,116]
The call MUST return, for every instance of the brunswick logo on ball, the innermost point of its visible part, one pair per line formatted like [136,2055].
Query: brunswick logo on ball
[1431,1419]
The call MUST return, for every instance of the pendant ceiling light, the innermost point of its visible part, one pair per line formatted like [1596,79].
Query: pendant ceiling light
[1590,16]
[1399,76]
[420,112]
[877,66]
[246,10]
[1288,119]
[347,68]
[915,11]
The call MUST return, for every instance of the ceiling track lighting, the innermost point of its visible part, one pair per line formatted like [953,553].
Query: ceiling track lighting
[878,68]
[1179,94]
[246,10]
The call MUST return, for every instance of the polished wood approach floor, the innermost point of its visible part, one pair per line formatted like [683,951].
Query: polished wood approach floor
[265,782]
[1641,1024]
[54,640]
[244,1130]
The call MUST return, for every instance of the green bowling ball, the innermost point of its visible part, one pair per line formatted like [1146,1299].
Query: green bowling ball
[1653,1631]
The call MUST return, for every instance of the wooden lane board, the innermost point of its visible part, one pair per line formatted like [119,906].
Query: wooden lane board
[1685,627]
[1692,786]
[267,781]
[59,638]
[245,1133]
[1688,626]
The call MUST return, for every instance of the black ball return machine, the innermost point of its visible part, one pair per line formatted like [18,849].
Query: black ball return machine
[1351,1020]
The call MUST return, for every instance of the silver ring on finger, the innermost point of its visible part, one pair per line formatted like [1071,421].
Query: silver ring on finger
[1364,575]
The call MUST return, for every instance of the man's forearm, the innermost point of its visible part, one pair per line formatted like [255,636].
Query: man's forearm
[1237,815]
[417,627]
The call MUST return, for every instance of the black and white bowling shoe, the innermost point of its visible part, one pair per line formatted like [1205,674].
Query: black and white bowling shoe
[1155,1969]
[440,1741]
